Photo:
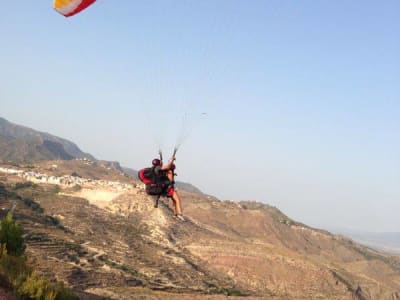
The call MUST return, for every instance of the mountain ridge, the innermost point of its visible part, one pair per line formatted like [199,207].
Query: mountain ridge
[385,241]
[19,142]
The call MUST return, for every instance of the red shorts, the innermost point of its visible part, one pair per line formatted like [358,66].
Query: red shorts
[170,191]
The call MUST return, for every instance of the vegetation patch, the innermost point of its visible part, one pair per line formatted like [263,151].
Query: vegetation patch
[34,286]
[24,185]
[5,193]
[228,292]
[17,275]
[33,205]
[57,189]
[123,267]
[283,220]
[29,202]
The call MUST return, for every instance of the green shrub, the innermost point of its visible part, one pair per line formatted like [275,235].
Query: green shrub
[40,288]
[12,267]
[35,287]
[57,189]
[11,236]
[15,272]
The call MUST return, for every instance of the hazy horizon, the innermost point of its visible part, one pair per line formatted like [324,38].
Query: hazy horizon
[292,104]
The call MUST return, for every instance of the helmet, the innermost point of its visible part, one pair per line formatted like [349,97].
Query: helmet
[156,162]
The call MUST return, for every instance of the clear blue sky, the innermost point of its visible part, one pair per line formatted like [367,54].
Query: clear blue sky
[302,97]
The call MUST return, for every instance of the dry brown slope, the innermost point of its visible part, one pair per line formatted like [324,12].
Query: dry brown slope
[265,251]
[86,247]
[224,247]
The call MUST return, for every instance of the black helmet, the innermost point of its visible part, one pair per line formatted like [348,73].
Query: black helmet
[156,162]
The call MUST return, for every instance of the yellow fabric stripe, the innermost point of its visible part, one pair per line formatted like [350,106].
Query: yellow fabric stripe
[66,6]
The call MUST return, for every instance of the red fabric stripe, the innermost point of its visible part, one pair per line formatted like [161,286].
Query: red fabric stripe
[142,178]
[82,6]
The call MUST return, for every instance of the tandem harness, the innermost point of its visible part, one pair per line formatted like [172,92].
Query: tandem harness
[156,184]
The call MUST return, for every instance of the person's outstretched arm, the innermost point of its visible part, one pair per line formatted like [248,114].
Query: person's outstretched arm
[169,165]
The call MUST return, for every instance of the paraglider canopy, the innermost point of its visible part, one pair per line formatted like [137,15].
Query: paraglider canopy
[69,8]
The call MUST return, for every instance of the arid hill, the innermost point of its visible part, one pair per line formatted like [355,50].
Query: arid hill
[22,143]
[104,237]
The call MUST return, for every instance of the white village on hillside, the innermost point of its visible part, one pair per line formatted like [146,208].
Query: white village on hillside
[67,180]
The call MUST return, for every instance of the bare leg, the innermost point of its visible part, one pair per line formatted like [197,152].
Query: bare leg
[173,205]
[177,203]
[176,200]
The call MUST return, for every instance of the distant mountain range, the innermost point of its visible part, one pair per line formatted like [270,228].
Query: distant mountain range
[20,143]
[387,241]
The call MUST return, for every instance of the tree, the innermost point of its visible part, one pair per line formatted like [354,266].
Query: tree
[11,236]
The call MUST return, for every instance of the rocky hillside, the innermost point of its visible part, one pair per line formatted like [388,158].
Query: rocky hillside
[22,143]
[101,234]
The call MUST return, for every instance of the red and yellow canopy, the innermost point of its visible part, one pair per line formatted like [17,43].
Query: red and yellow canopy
[69,8]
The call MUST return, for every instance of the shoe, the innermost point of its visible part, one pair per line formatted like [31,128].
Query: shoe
[180,217]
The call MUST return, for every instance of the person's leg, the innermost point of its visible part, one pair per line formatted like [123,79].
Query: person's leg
[177,202]
[156,199]
[173,205]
